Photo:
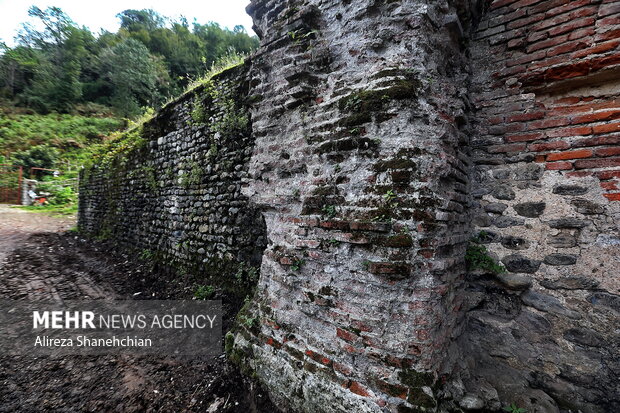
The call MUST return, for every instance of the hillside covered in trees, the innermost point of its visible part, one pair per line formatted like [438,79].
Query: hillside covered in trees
[66,92]
[59,66]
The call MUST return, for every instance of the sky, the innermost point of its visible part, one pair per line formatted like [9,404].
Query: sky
[101,14]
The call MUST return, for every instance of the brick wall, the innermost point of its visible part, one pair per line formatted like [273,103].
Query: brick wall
[360,168]
[551,90]
[545,148]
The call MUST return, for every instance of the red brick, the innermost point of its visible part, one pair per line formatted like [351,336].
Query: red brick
[273,342]
[586,107]
[569,47]
[352,350]
[556,166]
[562,19]
[601,140]
[547,5]
[500,3]
[549,123]
[604,62]
[359,389]
[572,26]
[343,369]
[567,71]
[514,147]
[608,151]
[393,390]
[345,335]
[549,146]
[597,117]
[507,17]
[536,37]
[580,174]
[526,58]
[608,35]
[523,117]
[568,6]
[525,21]
[496,120]
[610,185]
[525,137]
[524,3]
[516,43]
[607,128]
[608,21]
[546,43]
[585,32]
[565,132]
[613,197]
[604,175]
[561,156]
[546,63]
[597,163]
[598,49]
[607,9]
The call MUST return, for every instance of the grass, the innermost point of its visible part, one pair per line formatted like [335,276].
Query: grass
[53,210]
[224,63]
[73,136]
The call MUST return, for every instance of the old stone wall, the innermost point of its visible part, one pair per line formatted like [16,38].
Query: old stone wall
[430,189]
[173,193]
[545,90]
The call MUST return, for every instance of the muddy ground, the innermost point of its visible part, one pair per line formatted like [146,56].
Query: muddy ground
[39,259]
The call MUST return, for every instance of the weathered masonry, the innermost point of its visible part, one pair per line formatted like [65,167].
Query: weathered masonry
[171,189]
[385,141]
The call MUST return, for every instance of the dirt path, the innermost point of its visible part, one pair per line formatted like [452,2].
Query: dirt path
[40,262]
[17,224]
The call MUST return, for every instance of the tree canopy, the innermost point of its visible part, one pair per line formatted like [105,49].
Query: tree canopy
[149,59]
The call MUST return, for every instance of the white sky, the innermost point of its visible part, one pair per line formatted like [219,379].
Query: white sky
[98,14]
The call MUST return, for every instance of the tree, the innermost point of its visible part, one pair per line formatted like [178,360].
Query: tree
[17,67]
[56,82]
[55,67]
[135,76]
[40,156]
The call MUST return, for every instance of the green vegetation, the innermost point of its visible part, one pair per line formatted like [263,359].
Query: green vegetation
[329,211]
[55,210]
[192,176]
[297,264]
[55,141]
[232,117]
[477,257]
[149,59]
[61,197]
[512,408]
[204,292]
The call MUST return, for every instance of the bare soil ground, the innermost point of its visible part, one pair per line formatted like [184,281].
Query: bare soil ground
[38,260]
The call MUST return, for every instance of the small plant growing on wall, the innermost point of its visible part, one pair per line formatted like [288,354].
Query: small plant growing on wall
[329,211]
[512,408]
[193,176]
[477,257]
[297,264]
[204,292]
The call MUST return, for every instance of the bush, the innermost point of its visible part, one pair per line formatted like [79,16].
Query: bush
[40,156]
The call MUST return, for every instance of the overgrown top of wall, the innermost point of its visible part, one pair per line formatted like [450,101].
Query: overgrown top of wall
[171,188]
